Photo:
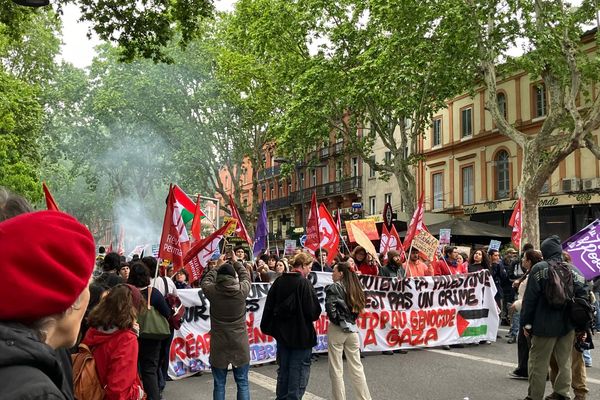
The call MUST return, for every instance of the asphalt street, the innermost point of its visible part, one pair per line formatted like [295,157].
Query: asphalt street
[474,373]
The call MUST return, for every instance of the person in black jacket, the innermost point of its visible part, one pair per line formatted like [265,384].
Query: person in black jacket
[290,309]
[549,328]
[149,349]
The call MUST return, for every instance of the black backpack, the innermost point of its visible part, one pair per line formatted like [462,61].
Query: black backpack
[559,289]
[581,313]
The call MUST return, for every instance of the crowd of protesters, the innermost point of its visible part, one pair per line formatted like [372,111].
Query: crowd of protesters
[82,302]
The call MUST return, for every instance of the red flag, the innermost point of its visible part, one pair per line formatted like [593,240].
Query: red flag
[121,241]
[329,233]
[174,241]
[395,242]
[312,226]
[515,222]
[416,223]
[196,221]
[50,203]
[384,243]
[199,255]
[240,228]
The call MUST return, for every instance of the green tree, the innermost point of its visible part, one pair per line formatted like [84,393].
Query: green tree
[552,31]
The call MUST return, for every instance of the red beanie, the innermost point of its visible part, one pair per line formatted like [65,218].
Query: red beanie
[47,258]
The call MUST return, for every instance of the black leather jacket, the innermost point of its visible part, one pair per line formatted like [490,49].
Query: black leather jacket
[337,309]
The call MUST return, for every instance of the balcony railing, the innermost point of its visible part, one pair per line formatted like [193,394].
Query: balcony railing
[270,172]
[281,202]
[337,148]
[344,186]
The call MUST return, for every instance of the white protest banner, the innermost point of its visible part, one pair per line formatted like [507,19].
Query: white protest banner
[426,243]
[289,247]
[495,245]
[414,312]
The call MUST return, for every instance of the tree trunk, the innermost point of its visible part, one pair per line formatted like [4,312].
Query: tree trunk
[408,190]
[530,217]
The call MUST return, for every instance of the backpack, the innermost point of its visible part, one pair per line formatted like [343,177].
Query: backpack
[581,313]
[559,287]
[174,303]
[86,384]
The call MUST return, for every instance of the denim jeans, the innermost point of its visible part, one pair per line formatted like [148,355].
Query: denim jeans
[587,357]
[514,327]
[240,374]
[293,372]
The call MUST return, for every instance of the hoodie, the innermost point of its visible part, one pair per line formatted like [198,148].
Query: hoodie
[29,369]
[116,353]
[544,319]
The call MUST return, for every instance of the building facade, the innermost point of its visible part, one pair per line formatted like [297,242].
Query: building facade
[471,170]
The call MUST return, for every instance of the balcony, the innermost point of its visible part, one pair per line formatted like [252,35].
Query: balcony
[269,173]
[324,153]
[337,148]
[344,186]
[276,204]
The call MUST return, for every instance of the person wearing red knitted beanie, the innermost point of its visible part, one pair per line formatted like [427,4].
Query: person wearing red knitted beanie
[47,262]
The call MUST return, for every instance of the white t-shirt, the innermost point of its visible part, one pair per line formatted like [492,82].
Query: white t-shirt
[159,284]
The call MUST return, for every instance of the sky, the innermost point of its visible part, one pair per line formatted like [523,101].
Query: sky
[79,50]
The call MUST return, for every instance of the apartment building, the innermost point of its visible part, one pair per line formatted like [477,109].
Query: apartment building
[471,170]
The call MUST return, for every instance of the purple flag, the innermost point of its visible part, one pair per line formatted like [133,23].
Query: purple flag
[262,230]
[584,248]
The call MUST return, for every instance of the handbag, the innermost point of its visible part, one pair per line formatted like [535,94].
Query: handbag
[152,324]
[174,303]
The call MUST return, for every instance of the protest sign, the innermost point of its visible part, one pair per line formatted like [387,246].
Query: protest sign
[464,249]
[366,225]
[445,235]
[426,244]
[289,247]
[494,245]
[400,313]
[584,248]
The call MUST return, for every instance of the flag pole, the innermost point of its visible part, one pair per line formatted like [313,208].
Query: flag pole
[340,231]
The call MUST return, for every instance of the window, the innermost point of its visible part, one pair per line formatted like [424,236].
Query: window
[501,99]
[372,172]
[272,189]
[354,166]
[280,194]
[313,177]
[264,192]
[502,175]
[468,189]
[372,205]
[438,191]
[388,157]
[325,174]
[540,100]
[339,170]
[466,122]
[387,198]
[437,132]
[289,187]
[301,181]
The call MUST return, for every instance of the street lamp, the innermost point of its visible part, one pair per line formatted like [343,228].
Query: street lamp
[32,3]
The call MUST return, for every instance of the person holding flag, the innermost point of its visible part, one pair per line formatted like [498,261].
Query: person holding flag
[416,267]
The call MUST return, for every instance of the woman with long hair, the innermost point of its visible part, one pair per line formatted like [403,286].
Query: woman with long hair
[478,261]
[112,338]
[344,301]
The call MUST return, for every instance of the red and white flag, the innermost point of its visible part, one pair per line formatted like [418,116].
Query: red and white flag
[202,251]
[196,226]
[384,242]
[329,233]
[313,238]
[515,222]
[240,228]
[174,241]
[50,203]
[395,242]
[416,223]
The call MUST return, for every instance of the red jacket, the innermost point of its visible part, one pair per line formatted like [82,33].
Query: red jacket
[445,267]
[116,356]
[368,269]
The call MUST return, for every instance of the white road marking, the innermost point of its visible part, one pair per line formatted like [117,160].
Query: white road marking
[271,384]
[489,361]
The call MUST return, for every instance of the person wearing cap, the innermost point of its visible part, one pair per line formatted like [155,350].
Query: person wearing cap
[41,308]
[226,287]
[112,338]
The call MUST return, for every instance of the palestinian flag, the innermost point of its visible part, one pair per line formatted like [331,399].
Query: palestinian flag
[185,205]
[471,323]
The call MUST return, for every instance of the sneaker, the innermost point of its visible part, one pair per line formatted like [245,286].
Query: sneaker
[556,396]
[401,351]
[516,375]
[513,339]
[445,347]
[588,365]
[388,353]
